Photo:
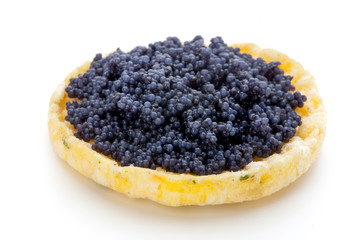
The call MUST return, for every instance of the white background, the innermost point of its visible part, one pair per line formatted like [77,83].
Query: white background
[41,42]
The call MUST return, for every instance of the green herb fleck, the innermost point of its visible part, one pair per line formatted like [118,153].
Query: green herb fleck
[243,178]
[65,143]
[194,181]
[99,162]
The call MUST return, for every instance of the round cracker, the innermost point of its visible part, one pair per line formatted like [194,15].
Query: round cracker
[258,179]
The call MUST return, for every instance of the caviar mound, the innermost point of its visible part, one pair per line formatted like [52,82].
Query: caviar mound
[257,179]
[188,108]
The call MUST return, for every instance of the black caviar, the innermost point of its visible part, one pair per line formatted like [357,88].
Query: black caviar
[187,108]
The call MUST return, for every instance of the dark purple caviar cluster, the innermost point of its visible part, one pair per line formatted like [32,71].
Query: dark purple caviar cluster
[186,107]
